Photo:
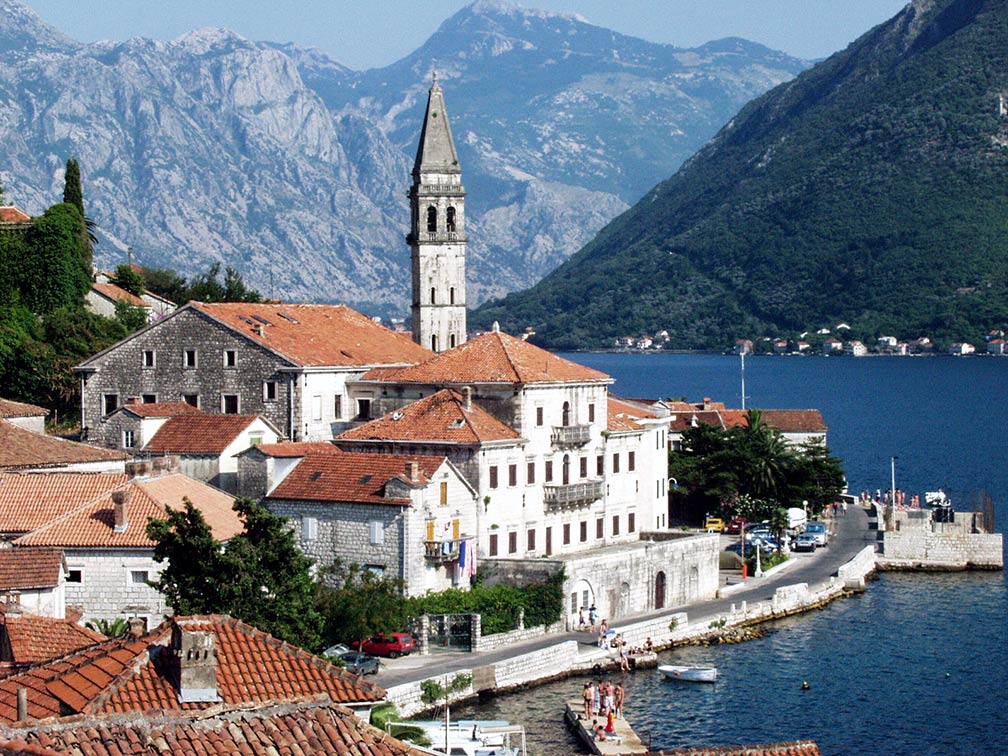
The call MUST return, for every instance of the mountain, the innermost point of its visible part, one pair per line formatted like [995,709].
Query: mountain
[871,189]
[293,168]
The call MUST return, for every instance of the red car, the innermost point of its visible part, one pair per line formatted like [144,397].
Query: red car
[392,645]
[735,526]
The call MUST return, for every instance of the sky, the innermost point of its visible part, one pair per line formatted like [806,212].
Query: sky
[372,34]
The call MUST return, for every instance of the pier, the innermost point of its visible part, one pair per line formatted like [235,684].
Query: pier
[624,740]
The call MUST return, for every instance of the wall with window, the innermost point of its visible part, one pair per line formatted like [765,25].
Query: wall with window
[107,584]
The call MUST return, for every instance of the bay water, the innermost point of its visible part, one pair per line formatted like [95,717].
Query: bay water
[916,665]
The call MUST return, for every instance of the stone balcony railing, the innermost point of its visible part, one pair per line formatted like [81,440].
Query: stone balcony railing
[442,551]
[571,435]
[436,236]
[572,495]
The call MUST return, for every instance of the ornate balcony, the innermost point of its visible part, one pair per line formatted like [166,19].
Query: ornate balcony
[440,552]
[573,495]
[571,435]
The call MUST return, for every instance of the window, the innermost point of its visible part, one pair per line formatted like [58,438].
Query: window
[375,569]
[631,463]
[566,469]
[191,399]
[110,402]
[255,439]
[539,415]
[338,407]
[269,391]
[584,531]
[230,358]
[450,220]
[549,540]
[189,358]
[433,342]
[591,412]
[512,475]
[574,604]
[363,409]
[451,296]
[229,404]
[138,577]
[376,533]
[600,465]
[513,542]
[148,358]
[530,474]
[549,471]
[444,493]
[493,544]
[128,440]
[530,536]
[493,476]
[149,398]
[316,403]
[615,525]
[75,576]
[615,462]
[432,219]
[631,525]
[433,295]
[451,340]
[600,528]
[566,414]
[566,534]
[584,467]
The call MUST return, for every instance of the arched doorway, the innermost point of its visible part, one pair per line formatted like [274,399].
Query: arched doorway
[659,591]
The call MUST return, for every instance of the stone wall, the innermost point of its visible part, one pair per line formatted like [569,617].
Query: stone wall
[500,640]
[107,589]
[956,549]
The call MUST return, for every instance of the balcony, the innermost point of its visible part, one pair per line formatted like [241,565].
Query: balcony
[573,495]
[571,435]
[440,552]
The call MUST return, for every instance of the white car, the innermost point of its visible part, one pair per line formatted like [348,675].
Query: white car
[818,531]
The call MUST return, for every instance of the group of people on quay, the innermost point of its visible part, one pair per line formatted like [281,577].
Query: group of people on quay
[603,700]
[886,498]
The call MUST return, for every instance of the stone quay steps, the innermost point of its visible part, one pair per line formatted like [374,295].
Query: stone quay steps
[624,741]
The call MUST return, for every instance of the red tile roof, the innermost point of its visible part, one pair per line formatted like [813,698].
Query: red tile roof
[9,408]
[11,214]
[140,674]
[682,420]
[493,357]
[795,421]
[198,433]
[311,727]
[77,509]
[440,418]
[352,477]
[22,448]
[624,416]
[291,449]
[159,409]
[315,335]
[793,748]
[34,639]
[118,294]
[30,569]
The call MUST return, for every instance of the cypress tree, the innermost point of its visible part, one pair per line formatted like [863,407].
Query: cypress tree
[72,193]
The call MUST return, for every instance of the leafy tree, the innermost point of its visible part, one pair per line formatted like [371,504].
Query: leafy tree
[207,288]
[116,628]
[128,279]
[133,317]
[778,524]
[167,283]
[259,576]
[72,192]
[55,275]
[356,603]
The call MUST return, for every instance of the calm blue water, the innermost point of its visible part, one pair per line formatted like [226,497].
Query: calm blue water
[916,665]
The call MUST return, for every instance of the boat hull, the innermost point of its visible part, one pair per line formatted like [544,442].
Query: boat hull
[689,674]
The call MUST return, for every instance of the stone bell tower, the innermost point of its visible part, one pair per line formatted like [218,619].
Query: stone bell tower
[437,233]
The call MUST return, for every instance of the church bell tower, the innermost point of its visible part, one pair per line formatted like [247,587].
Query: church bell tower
[437,236]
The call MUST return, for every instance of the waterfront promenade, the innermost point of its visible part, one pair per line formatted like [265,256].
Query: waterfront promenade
[558,654]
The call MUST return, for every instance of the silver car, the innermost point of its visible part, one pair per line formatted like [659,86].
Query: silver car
[818,531]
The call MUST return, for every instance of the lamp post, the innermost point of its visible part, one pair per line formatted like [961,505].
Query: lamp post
[759,569]
[892,492]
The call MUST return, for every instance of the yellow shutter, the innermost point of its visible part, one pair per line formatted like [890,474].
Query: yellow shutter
[455,528]
[430,530]
[444,493]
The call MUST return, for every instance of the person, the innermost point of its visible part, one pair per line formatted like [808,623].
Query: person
[581,619]
[624,660]
[618,700]
[592,617]
[603,641]
[648,646]
[599,732]
[610,698]
[844,508]
[596,698]
[610,725]
[588,696]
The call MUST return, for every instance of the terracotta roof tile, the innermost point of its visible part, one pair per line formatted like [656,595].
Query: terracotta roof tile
[11,214]
[351,477]
[34,639]
[159,409]
[308,727]
[291,449]
[793,748]
[137,674]
[441,417]
[21,448]
[10,408]
[493,357]
[314,335]
[78,510]
[198,433]
[30,569]
[118,294]
[681,420]
[795,421]
[624,416]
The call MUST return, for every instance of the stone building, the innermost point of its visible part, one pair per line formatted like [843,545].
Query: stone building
[262,467]
[34,580]
[409,517]
[22,449]
[286,363]
[135,423]
[27,416]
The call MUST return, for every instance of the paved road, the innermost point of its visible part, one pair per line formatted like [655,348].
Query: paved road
[848,536]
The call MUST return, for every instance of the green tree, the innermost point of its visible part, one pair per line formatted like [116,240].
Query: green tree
[167,283]
[116,628]
[127,278]
[72,192]
[55,275]
[356,603]
[133,317]
[778,524]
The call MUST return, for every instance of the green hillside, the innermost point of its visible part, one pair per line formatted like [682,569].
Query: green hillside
[872,189]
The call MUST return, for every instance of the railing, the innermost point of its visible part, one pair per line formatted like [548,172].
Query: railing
[451,189]
[573,495]
[443,551]
[571,435]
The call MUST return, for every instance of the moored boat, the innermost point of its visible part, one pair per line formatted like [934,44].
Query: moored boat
[467,737]
[689,674]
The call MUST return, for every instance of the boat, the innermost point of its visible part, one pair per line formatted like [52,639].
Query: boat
[467,737]
[689,674]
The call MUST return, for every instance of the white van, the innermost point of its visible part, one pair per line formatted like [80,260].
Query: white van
[818,531]
[796,520]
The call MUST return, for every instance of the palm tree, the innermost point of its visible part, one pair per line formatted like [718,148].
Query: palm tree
[768,456]
[109,628]
[779,523]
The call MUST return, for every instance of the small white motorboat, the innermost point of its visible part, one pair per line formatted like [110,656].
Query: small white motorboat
[689,674]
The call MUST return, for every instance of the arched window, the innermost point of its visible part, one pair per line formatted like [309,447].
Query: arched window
[566,469]
[432,218]
[433,295]
[450,220]
[433,342]
[566,413]
[659,591]
[451,341]
[451,295]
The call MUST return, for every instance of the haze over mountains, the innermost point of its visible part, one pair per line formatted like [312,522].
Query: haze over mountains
[292,168]
[872,190]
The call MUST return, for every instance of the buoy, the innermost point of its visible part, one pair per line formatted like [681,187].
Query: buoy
[947,675]
[804,685]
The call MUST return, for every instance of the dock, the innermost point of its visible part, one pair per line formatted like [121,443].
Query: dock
[624,740]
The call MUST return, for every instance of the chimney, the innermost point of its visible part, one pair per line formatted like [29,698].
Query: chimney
[22,704]
[121,499]
[133,400]
[260,329]
[74,614]
[137,627]
[706,402]
[467,398]
[196,660]
[413,471]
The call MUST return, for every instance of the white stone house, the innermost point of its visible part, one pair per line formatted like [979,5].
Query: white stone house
[409,517]
[103,297]
[27,416]
[99,520]
[134,424]
[22,449]
[34,579]
[262,467]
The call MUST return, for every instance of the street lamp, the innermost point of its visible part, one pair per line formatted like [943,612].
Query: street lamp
[892,491]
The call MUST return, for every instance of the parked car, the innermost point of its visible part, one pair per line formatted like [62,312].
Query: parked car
[360,663]
[804,542]
[735,526]
[818,531]
[392,645]
[337,650]
[714,525]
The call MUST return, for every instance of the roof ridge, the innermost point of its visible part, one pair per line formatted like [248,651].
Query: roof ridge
[74,512]
[510,361]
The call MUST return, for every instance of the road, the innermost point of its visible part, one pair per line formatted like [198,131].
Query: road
[848,536]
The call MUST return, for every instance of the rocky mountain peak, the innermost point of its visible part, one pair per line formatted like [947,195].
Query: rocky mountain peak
[22,31]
